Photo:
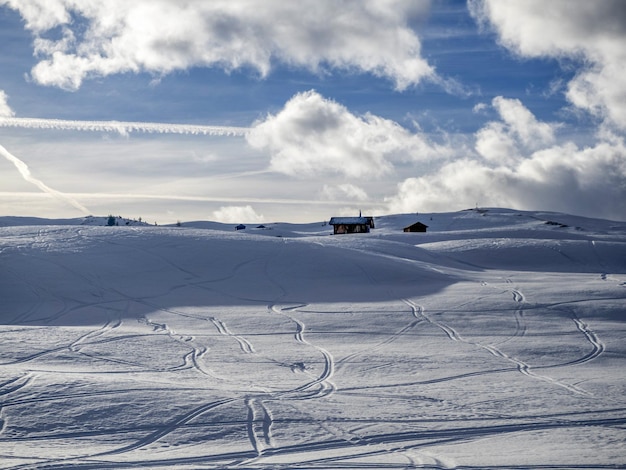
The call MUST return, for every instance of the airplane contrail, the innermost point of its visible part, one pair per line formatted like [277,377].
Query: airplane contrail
[222,199]
[122,127]
[25,172]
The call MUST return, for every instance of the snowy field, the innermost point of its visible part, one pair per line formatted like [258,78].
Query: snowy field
[497,340]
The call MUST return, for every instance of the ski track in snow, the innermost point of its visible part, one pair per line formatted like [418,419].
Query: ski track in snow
[92,335]
[597,346]
[13,385]
[7,388]
[222,329]
[259,425]
[415,311]
[418,312]
[166,429]
[326,386]
[520,365]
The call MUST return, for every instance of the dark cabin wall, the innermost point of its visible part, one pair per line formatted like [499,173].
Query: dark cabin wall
[349,228]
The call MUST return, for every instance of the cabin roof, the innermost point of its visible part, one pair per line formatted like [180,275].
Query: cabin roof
[349,220]
[417,224]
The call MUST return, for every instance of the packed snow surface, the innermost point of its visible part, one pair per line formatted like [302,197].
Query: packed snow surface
[495,340]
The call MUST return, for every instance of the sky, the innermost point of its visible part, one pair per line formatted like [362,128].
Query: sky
[235,111]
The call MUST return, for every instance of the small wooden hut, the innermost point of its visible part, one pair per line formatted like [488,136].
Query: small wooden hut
[351,224]
[416,227]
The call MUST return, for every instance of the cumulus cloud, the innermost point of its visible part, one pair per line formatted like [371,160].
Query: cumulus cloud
[503,141]
[592,32]
[313,135]
[522,123]
[511,170]
[237,214]
[79,39]
[588,181]
[5,109]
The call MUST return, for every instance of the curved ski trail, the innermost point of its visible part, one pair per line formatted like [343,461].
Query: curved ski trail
[167,429]
[13,385]
[418,312]
[327,387]
[392,337]
[597,345]
[8,387]
[259,425]
[222,329]
[107,327]
[518,314]
[521,366]
[191,360]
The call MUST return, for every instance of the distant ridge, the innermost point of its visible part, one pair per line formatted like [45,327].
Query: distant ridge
[464,220]
[12,221]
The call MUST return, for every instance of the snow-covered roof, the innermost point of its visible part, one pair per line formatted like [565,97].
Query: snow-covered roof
[348,220]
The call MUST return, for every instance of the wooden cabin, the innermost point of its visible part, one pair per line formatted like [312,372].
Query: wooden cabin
[351,224]
[416,227]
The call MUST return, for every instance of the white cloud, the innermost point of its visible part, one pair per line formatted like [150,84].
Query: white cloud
[587,181]
[479,108]
[522,123]
[313,135]
[515,171]
[593,32]
[502,141]
[99,38]
[40,15]
[237,214]
[495,144]
[5,109]
[344,191]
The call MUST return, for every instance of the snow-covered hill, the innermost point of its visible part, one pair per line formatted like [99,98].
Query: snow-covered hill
[89,220]
[494,340]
